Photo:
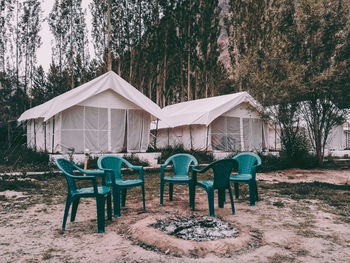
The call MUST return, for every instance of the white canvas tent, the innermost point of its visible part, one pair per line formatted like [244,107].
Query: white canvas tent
[338,139]
[222,123]
[106,114]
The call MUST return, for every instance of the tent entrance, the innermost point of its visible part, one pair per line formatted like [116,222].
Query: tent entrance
[105,129]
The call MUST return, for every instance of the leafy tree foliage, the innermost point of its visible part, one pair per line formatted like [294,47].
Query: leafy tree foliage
[292,57]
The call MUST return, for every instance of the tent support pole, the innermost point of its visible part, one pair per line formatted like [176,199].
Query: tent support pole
[275,136]
[44,124]
[191,137]
[141,141]
[155,137]
[241,130]
[34,136]
[53,134]
[206,143]
[168,137]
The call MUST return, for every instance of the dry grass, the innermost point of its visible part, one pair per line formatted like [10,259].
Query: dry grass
[284,207]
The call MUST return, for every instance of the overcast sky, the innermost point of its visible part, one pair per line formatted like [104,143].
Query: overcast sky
[44,53]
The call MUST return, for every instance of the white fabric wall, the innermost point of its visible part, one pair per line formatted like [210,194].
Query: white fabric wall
[105,129]
[138,126]
[117,130]
[30,134]
[36,130]
[274,142]
[253,134]
[53,133]
[243,110]
[40,139]
[182,136]
[336,139]
[226,134]
[72,129]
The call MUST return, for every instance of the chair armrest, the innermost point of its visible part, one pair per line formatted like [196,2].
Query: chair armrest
[162,169]
[93,173]
[258,162]
[92,178]
[140,169]
[195,169]
[109,175]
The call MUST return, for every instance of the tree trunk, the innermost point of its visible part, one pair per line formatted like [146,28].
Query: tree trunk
[182,84]
[189,55]
[150,88]
[109,45]
[158,86]
[189,75]
[131,64]
[206,84]
[196,85]
[165,67]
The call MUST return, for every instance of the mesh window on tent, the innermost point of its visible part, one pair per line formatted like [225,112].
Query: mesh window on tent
[252,134]
[225,134]
[96,129]
[118,120]
[72,134]
[137,130]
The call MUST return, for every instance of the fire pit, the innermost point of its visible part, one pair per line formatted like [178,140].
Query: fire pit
[197,228]
[191,236]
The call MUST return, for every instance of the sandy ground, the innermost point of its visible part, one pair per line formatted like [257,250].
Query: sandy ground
[277,229]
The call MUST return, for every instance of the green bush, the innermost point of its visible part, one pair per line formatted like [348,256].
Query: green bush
[133,159]
[273,163]
[201,156]
[22,157]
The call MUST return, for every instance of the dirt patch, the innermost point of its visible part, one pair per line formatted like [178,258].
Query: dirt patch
[296,220]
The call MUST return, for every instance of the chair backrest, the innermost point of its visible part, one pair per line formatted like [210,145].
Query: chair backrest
[111,162]
[222,170]
[246,161]
[182,162]
[68,170]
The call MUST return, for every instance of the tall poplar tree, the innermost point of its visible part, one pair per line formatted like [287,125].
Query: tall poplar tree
[30,25]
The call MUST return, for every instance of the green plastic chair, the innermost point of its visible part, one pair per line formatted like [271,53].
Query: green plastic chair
[222,170]
[112,165]
[247,163]
[100,193]
[181,163]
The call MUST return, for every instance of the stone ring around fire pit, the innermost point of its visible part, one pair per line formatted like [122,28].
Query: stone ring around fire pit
[145,232]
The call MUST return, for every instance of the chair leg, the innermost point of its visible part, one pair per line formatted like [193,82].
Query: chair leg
[256,192]
[161,192]
[74,209]
[100,204]
[124,192]
[143,197]
[66,211]
[193,196]
[109,207]
[251,193]
[232,202]
[116,202]
[190,192]
[236,186]
[171,190]
[221,198]
[210,193]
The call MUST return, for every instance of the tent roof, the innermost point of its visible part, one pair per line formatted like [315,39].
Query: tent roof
[107,81]
[203,111]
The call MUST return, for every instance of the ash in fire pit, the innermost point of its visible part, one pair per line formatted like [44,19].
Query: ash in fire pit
[198,229]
